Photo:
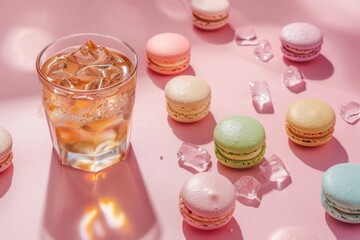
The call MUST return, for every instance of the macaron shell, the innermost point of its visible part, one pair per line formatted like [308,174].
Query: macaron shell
[341,185]
[5,149]
[240,164]
[310,116]
[301,35]
[300,57]
[292,233]
[209,194]
[308,141]
[239,134]
[188,98]
[168,53]
[210,15]
[335,213]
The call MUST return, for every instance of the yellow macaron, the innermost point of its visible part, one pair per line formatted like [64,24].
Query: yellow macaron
[310,122]
[187,98]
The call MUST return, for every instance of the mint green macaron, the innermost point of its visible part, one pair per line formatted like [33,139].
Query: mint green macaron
[239,141]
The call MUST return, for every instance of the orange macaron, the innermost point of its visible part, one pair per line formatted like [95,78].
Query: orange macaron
[310,122]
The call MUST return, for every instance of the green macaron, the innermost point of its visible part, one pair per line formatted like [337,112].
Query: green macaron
[239,141]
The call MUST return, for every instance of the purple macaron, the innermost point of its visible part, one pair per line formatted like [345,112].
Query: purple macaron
[301,41]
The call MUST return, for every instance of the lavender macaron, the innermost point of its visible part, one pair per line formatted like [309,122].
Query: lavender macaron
[301,41]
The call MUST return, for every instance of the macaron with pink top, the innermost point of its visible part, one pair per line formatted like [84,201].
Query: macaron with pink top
[168,53]
[207,201]
[301,41]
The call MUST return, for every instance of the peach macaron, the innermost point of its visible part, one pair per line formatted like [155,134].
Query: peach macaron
[168,53]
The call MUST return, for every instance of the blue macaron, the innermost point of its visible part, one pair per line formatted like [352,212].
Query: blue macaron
[341,192]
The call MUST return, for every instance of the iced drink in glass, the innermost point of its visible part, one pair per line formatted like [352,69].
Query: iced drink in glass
[88,90]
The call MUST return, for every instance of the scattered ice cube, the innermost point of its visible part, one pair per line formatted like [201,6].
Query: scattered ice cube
[248,187]
[261,96]
[292,77]
[194,157]
[263,51]
[246,36]
[350,112]
[274,170]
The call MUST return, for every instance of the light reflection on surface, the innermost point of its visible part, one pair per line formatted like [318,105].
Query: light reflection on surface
[21,45]
[111,204]
[97,220]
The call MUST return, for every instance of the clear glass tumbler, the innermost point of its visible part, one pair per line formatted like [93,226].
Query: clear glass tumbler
[88,86]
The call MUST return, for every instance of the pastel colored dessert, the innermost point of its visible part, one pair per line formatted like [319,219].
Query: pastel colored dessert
[168,53]
[207,201]
[187,98]
[340,195]
[6,155]
[292,233]
[239,141]
[210,14]
[301,41]
[310,122]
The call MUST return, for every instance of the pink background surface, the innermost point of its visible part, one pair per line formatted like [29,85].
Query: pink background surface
[39,199]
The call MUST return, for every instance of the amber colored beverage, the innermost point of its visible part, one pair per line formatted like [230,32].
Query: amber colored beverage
[88,94]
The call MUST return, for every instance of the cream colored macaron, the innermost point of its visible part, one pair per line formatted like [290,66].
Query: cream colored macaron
[187,98]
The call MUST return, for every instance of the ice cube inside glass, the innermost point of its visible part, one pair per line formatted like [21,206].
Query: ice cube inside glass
[88,85]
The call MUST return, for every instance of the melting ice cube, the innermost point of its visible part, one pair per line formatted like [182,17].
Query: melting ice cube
[194,157]
[274,170]
[246,36]
[292,77]
[261,96]
[350,112]
[248,187]
[263,51]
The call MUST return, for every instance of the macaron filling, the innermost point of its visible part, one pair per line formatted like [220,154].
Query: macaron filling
[203,222]
[6,157]
[342,209]
[190,113]
[240,156]
[206,18]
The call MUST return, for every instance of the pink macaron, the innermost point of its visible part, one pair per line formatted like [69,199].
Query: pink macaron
[292,233]
[301,41]
[207,201]
[210,14]
[6,155]
[168,53]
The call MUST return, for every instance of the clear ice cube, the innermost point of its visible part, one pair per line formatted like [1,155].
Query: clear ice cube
[246,36]
[292,77]
[263,51]
[274,170]
[88,73]
[350,112]
[247,187]
[194,157]
[261,96]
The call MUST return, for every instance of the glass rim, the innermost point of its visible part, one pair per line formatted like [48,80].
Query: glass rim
[44,79]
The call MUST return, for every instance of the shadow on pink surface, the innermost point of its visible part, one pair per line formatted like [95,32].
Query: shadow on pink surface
[319,68]
[111,204]
[219,36]
[5,180]
[341,230]
[321,157]
[230,231]
[160,80]
[200,132]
